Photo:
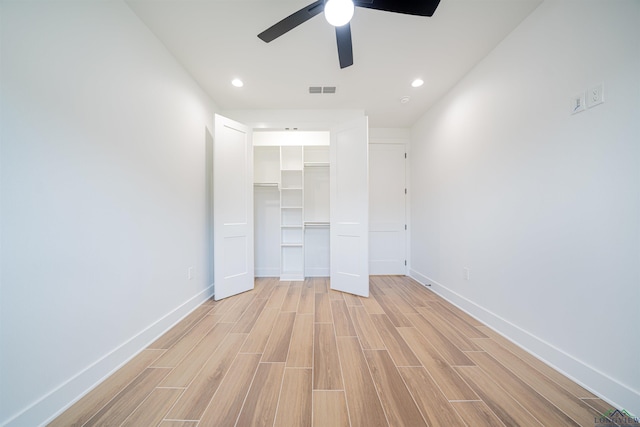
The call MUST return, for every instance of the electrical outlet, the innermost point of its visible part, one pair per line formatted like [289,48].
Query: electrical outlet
[465,273]
[595,95]
[190,273]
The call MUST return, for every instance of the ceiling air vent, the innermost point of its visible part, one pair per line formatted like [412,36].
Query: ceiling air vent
[322,89]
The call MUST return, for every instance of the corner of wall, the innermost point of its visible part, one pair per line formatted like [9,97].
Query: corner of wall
[609,389]
[57,401]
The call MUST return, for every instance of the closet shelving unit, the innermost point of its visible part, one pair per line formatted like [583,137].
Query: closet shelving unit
[292,213]
[291,194]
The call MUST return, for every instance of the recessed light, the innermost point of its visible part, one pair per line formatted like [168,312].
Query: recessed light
[417,83]
[404,99]
[237,82]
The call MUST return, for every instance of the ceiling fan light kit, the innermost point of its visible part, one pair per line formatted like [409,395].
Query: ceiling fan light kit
[338,12]
[344,10]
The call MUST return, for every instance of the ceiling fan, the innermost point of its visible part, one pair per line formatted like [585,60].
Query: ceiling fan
[339,12]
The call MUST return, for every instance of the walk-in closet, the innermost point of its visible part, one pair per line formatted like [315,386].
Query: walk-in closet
[291,204]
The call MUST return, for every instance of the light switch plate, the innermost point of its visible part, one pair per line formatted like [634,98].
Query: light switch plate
[578,103]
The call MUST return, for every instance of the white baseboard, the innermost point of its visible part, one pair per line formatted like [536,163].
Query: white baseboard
[57,401]
[267,272]
[316,272]
[607,388]
[275,272]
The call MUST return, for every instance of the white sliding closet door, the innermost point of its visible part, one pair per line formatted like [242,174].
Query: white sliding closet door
[349,208]
[232,208]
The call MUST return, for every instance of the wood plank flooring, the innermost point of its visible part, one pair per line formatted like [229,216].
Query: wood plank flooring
[299,354]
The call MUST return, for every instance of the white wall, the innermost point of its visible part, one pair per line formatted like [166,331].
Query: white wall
[309,120]
[104,198]
[542,206]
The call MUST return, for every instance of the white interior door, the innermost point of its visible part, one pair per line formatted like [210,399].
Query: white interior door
[387,218]
[349,206]
[232,208]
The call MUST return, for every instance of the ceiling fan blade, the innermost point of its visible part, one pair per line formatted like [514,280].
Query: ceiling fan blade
[345,48]
[409,7]
[292,21]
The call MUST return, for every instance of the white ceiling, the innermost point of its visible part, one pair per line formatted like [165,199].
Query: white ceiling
[217,41]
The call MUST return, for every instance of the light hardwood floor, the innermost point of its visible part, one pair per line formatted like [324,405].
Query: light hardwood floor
[299,354]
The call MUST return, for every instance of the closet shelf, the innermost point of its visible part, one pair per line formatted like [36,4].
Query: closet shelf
[266,184]
[319,224]
[316,164]
[291,245]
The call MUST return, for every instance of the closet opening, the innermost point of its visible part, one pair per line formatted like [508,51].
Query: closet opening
[291,204]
